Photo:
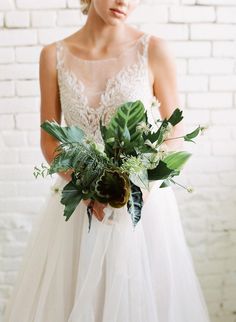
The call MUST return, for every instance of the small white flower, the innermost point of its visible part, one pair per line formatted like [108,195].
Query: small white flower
[149,143]
[55,189]
[190,189]
[143,127]
[155,102]
[168,131]
[203,129]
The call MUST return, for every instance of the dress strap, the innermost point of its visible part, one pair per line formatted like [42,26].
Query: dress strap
[145,43]
[59,55]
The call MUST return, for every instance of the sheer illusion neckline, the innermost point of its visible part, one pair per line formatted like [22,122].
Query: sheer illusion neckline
[134,42]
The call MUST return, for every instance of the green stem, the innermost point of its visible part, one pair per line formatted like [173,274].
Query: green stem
[179,184]
[178,137]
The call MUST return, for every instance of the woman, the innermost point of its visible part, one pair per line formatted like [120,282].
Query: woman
[112,274]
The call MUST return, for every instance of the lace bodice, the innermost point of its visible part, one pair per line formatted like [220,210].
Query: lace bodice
[93,89]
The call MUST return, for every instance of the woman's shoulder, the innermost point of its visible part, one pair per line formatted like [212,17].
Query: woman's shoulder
[158,48]
[160,54]
[48,55]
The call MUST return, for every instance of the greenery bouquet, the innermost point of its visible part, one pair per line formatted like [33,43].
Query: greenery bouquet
[132,155]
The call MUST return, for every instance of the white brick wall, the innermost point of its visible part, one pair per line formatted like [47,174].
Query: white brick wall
[202,35]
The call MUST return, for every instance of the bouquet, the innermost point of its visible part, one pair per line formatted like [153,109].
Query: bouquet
[132,155]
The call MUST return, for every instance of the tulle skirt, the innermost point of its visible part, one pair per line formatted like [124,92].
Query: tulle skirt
[114,273]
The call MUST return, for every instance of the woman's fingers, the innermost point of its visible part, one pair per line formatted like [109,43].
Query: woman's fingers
[97,208]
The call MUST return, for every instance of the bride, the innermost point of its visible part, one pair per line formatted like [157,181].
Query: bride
[113,273]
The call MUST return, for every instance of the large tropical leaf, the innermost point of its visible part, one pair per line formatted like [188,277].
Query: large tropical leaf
[135,204]
[176,160]
[122,127]
[160,172]
[190,136]
[174,119]
[71,197]
[67,134]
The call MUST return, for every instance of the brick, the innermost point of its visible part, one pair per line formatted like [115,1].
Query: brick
[192,14]
[7,88]
[210,100]
[27,121]
[224,49]
[210,164]
[155,14]
[8,156]
[38,188]
[223,83]
[226,14]
[23,205]
[43,4]
[212,32]
[11,105]
[7,189]
[14,138]
[228,178]
[43,19]
[189,49]
[181,66]
[216,2]
[6,5]
[193,83]
[224,117]
[1,19]
[19,71]
[223,148]
[194,117]
[68,17]
[28,54]
[31,156]
[9,264]
[211,66]
[16,37]
[72,4]
[188,2]
[47,36]
[7,55]
[27,88]
[7,122]
[168,31]
[13,250]
[17,19]
[19,173]
[207,180]
[218,132]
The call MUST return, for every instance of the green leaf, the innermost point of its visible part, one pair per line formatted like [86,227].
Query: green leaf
[176,160]
[165,183]
[122,127]
[192,135]
[71,197]
[66,134]
[135,203]
[160,172]
[140,179]
[176,117]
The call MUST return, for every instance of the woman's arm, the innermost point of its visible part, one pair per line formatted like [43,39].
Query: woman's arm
[165,89]
[50,108]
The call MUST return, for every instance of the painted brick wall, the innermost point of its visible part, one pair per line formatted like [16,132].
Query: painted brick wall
[202,35]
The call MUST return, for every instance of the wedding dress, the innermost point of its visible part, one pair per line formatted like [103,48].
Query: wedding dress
[114,273]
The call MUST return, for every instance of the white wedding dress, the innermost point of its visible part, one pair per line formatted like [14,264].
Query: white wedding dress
[114,273]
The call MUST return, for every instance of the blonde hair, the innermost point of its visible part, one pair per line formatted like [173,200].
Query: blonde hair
[84,7]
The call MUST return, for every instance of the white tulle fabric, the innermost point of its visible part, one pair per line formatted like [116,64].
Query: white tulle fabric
[114,273]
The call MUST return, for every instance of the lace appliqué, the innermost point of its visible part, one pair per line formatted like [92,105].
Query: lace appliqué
[129,84]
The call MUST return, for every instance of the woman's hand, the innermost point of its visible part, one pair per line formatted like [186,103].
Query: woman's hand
[97,208]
